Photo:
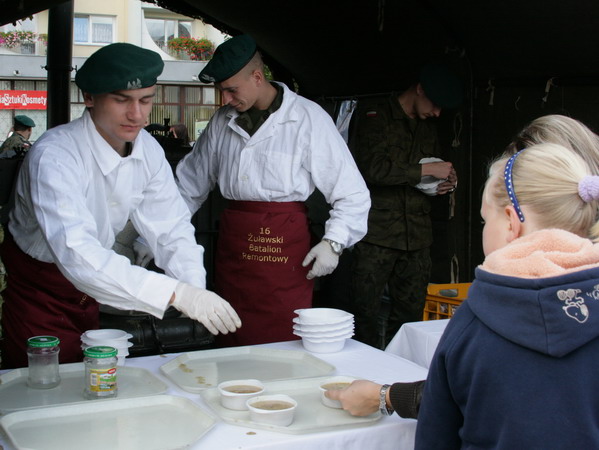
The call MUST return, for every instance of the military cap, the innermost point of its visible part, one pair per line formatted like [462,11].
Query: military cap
[24,120]
[229,58]
[119,67]
[441,86]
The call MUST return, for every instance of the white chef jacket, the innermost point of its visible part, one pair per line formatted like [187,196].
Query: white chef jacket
[75,193]
[297,149]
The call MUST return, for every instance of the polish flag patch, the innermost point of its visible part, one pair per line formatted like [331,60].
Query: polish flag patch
[371,113]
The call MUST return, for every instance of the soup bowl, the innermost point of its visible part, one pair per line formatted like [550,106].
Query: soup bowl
[334,383]
[235,393]
[275,409]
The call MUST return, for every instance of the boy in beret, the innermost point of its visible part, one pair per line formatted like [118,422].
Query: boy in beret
[268,149]
[79,185]
[18,142]
[391,137]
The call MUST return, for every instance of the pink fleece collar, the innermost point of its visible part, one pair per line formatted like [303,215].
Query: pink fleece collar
[543,253]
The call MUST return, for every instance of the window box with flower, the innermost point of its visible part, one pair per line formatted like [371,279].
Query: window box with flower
[190,48]
[22,41]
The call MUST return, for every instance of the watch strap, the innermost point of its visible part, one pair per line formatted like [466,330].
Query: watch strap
[383,401]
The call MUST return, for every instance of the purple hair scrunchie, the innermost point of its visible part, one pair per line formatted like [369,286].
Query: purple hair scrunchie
[588,188]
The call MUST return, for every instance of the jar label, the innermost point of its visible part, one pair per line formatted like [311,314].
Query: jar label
[102,380]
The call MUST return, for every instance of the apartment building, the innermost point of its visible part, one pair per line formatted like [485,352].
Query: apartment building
[180,96]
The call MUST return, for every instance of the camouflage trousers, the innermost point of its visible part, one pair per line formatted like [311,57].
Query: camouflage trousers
[404,274]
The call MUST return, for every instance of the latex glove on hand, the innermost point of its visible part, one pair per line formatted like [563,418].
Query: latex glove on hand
[143,254]
[325,260]
[361,398]
[215,313]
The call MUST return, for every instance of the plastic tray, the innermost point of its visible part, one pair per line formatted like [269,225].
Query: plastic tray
[196,371]
[160,422]
[310,416]
[15,395]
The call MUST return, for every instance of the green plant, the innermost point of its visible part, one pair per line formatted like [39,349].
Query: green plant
[198,49]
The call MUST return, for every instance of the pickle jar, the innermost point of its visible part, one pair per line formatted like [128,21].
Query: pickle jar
[100,372]
[42,356]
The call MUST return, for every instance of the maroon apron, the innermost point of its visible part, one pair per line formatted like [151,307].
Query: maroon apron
[39,300]
[258,269]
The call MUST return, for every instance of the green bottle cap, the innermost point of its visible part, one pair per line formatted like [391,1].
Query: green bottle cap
[43,341]
[100,352]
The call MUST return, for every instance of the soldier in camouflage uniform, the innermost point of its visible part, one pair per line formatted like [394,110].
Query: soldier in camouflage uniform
[18,142]
[390,137]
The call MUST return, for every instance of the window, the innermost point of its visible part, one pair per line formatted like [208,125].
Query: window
[93,29]
[162,30]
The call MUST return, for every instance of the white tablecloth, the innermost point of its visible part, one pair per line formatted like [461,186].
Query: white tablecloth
[355,359]
[417,341]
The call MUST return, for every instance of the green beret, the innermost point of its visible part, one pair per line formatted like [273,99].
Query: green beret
[118,67]
[229,58]
[24,120]
[441,86]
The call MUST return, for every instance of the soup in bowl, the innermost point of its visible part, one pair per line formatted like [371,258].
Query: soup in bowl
[235,393]
[334,383]
[275,409]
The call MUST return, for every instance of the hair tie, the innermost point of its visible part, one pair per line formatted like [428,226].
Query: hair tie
[509,185]
[588,188]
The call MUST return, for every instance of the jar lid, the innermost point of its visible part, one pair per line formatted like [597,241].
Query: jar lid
[100,351]
[43,341]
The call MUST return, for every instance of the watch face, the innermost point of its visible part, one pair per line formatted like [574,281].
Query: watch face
[336,246]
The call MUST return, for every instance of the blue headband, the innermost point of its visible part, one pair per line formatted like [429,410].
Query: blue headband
[509,185]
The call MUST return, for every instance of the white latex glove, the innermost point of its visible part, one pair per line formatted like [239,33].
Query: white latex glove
[143,254]
[206,307]
[325,260]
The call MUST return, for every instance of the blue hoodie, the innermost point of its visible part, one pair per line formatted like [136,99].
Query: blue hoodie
[518,365]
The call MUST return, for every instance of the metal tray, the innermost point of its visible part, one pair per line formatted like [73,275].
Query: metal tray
[159,422]
[196,371]
[310,416]
[15,395]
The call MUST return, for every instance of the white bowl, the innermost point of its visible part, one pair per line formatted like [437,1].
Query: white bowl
[330,329]
[300,326]
[334,383]
[106,334]
[344,334]
[235,399]
[323,345]
[322,315]
[106,342]
[278,417]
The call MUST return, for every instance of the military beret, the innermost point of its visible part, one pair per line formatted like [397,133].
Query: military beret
[441,86]
[229,58]
[119,67]
[24,120]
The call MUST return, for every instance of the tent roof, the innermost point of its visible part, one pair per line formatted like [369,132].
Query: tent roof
[344,48]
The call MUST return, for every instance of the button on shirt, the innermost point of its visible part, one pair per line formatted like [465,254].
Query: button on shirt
[75,193]
[296,150]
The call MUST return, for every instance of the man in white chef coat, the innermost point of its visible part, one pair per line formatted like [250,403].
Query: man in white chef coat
[79,185]
[267,149]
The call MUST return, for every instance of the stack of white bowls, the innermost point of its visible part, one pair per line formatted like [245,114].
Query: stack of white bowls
[118,339]
[323,330]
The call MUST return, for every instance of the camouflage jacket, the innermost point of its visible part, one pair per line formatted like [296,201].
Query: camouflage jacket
[15,145]
[388,146]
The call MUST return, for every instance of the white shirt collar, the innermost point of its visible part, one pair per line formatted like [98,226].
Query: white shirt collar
[107,157]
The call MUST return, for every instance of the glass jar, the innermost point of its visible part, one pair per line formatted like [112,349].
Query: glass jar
[42,355]
[100,372]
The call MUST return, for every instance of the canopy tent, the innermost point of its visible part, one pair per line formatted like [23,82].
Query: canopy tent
[519,60]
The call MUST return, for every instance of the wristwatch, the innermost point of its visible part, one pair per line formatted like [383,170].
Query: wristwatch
[336,246]
[385,411]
